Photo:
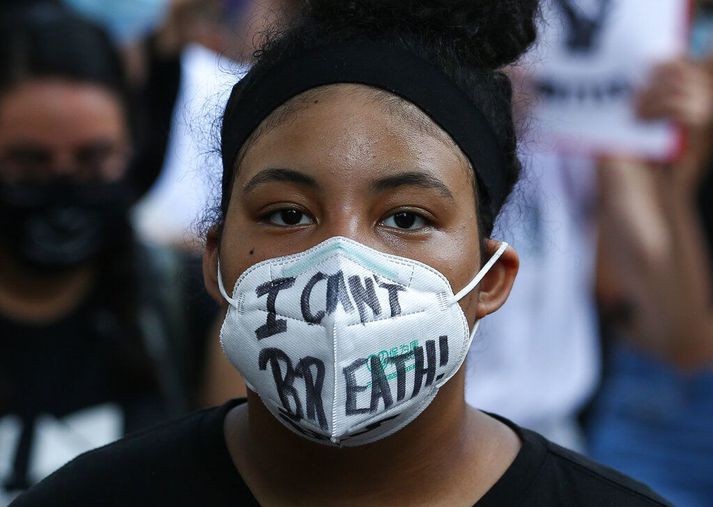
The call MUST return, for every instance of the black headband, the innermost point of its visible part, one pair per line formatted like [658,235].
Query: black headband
[379,65]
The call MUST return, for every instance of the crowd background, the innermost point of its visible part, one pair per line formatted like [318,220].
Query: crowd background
[605,346]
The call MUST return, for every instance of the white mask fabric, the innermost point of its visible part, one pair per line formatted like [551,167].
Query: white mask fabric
[344,344]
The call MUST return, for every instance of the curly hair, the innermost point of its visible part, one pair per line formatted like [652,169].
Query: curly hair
[470,41]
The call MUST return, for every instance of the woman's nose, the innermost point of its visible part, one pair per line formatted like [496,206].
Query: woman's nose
[63,164]
[350,222]
[342,224]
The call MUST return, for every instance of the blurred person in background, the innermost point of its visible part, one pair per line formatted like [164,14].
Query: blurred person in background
[217,39]
[95,334]
[537,360]
[184,56]
[654,416]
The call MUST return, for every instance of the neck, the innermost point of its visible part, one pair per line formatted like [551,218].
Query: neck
[30,296]
[444,442]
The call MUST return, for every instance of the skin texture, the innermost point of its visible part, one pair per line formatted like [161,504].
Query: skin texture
[345,144]
[62,118]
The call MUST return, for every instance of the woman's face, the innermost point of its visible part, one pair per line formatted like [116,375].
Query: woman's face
[51,128]
[345,163]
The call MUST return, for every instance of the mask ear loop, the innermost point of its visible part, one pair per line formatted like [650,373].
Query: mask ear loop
[465,290]
[484,271]
[221,287]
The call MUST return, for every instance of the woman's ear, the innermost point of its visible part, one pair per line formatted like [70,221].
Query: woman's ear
[495,286]
[210,264]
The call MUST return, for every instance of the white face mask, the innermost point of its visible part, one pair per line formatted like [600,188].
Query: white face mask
[345,344]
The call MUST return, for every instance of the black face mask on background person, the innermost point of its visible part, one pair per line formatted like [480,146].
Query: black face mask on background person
[59,225]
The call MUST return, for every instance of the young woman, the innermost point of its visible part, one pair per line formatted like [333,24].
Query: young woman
[366,156]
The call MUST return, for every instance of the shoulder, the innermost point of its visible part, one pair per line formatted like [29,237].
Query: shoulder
[586,482]
[546,474]
[156,466]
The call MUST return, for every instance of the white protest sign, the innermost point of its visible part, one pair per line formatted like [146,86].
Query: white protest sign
[591,58]
[51,442]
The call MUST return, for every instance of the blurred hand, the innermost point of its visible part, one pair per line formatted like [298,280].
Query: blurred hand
[679,90]
[192,21]
[653,265]
[212,24]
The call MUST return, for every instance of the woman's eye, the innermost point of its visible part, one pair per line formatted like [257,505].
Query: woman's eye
[289,217]
[405,220]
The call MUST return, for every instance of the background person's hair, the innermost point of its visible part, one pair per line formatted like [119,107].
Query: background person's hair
[45,40]
[468,40]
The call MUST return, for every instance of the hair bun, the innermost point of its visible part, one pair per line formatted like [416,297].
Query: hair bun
[484,33]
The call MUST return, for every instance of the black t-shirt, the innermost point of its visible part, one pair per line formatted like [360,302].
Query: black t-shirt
[66,387]
[64,366]
[88,378]
[186,462]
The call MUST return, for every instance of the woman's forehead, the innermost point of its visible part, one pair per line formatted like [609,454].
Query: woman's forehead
[354,127]
[347,92]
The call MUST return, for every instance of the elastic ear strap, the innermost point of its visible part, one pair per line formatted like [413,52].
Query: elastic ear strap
[221,287]
[484,271]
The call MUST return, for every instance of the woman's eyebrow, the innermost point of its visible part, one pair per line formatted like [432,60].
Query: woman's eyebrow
[290,175]
[411,178]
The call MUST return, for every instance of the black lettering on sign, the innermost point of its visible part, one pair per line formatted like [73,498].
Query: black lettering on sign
[548,89]
[337,293]
[364,295]
[583,32]
[273,325]
[585,93]
[618,89]
[393,290]
[304,301]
